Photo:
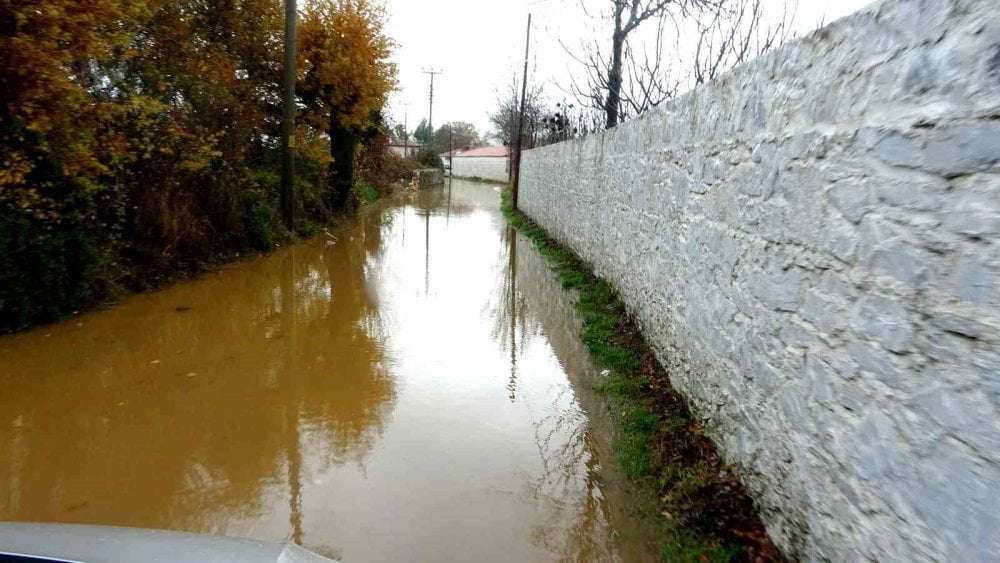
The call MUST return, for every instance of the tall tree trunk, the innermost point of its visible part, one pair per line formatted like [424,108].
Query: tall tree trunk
[343,145]
[611,108]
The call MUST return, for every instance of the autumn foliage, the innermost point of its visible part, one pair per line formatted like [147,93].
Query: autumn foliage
[341,96]
[140,137]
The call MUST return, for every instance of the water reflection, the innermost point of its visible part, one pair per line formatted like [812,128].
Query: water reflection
[370,395]
[511,322]
[576,434]
[188,408]
[512,313]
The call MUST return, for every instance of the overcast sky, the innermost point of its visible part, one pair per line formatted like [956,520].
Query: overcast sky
[479,44]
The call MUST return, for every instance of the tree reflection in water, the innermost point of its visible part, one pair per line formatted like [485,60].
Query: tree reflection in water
[587,521]
[205,419]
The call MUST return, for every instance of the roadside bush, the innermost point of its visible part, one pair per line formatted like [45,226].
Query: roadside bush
[380,168]
[262,224]
[367,193]
[46,270]
[427,159]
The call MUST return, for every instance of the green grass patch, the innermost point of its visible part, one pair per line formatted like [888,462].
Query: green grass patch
[707,515]
[685,546]
[620,386]
[638,424]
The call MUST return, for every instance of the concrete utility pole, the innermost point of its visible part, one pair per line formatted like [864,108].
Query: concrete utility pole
[451,170]
[430,113]
[520,121]
[288,121]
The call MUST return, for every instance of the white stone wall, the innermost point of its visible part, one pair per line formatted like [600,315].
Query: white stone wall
[485,167]
[812,245]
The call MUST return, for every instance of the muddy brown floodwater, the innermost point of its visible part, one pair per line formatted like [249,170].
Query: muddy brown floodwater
[408,387]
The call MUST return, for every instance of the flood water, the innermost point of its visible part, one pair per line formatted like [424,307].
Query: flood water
[407,387]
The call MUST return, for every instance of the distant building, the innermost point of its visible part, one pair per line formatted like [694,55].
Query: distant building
[405,148]
[488,163]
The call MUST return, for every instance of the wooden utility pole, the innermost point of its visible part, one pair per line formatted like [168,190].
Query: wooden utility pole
[288,121]
[520,120]
[430,113]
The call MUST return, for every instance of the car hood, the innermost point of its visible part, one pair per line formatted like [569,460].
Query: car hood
[107,544]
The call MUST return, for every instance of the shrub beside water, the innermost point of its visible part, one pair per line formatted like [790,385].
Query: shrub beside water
[46,271]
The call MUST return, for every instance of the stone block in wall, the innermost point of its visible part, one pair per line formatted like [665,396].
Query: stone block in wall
[884,320]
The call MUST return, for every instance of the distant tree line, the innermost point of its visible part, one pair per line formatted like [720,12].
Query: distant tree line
[139,138]
[453,135]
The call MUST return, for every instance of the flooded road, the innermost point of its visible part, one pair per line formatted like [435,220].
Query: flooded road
[408,387]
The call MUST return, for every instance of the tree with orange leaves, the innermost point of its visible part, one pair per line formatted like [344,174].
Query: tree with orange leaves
[51,121]
[138,137]
[59,149]
[346,78]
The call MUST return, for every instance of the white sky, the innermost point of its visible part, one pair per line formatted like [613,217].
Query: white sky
[478,44]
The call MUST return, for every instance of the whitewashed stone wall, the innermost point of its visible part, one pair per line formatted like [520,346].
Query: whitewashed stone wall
[485,167]
[812,245]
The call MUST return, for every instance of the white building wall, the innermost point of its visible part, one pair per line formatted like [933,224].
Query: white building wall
[486,167]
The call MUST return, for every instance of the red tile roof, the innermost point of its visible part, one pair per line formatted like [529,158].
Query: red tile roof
[481,151]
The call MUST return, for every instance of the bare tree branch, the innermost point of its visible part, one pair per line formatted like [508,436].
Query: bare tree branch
[735,35]
[623,81]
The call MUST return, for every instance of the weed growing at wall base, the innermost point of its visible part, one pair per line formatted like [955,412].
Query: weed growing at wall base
[707,515]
